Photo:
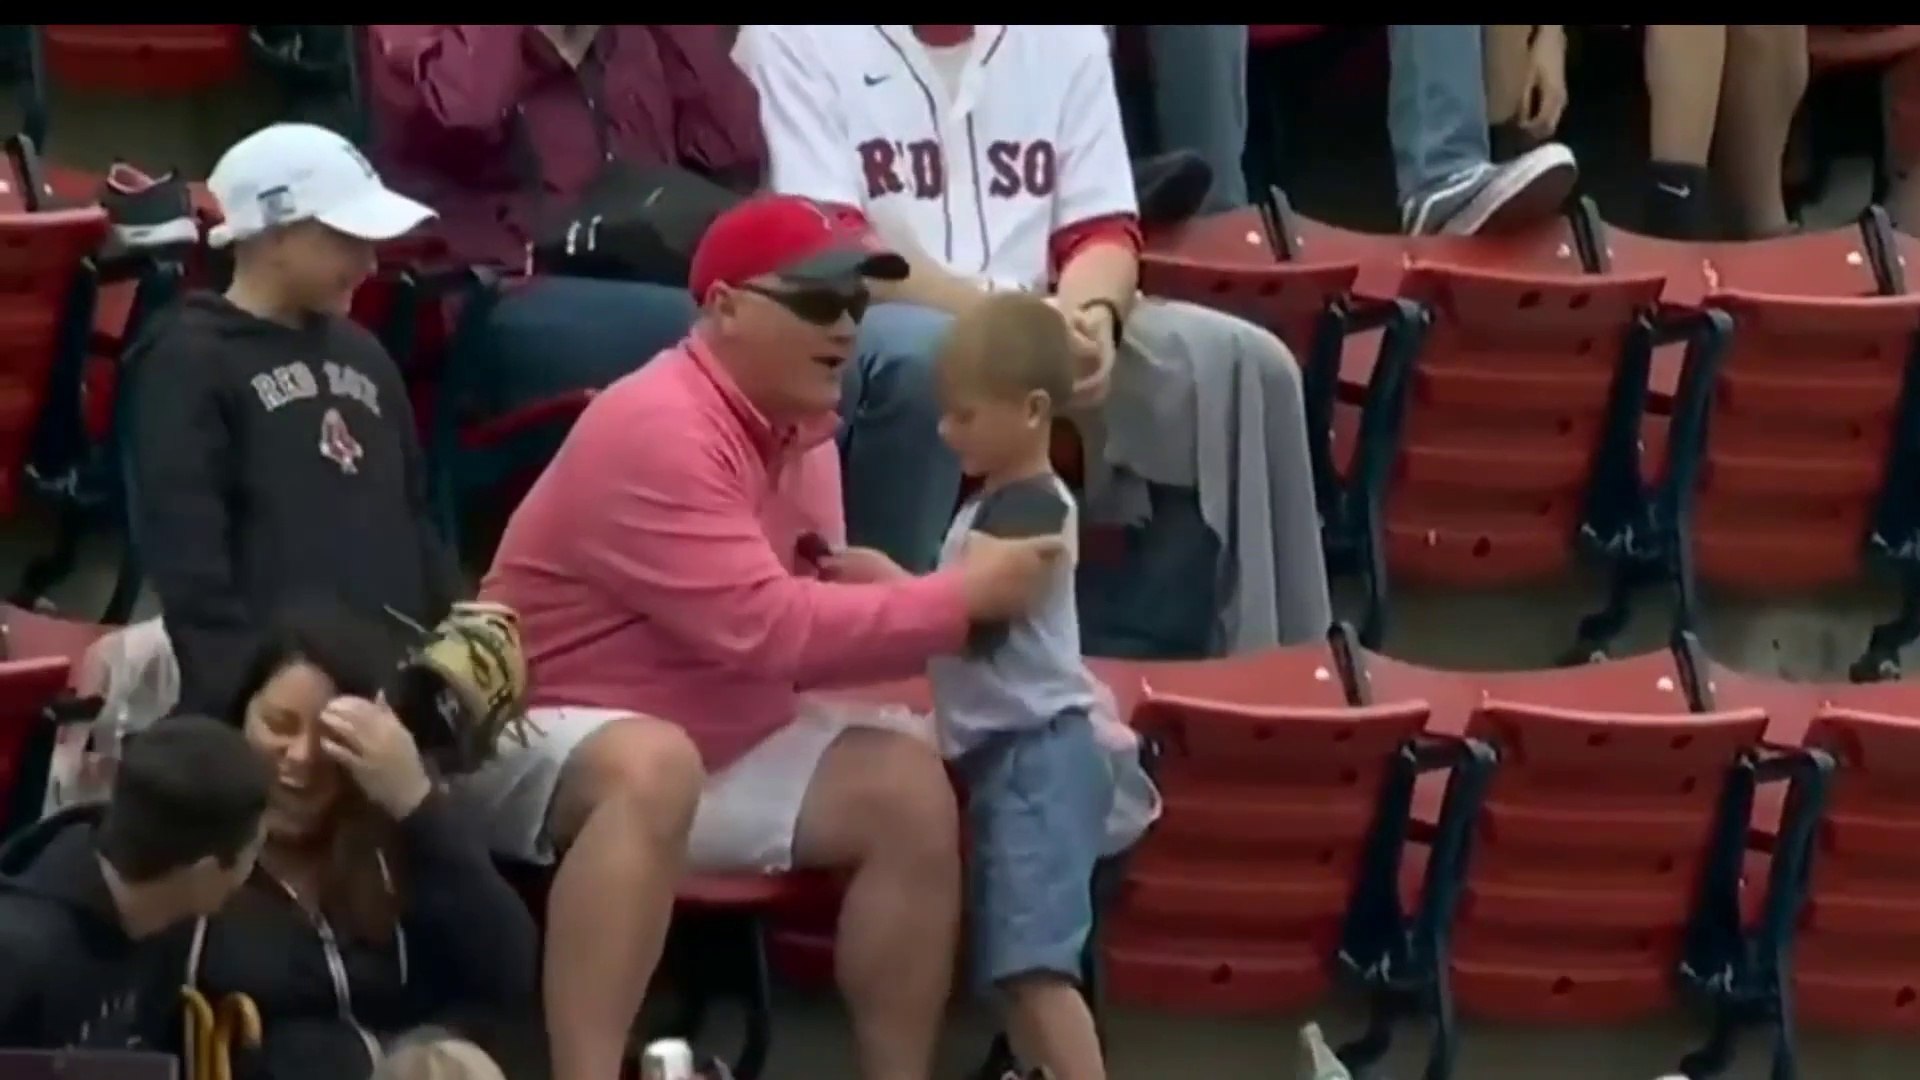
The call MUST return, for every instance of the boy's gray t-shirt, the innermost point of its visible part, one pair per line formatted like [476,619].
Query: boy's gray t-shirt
[1028,671]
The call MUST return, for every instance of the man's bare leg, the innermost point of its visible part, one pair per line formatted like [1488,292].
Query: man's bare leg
[1051,1025]
[626,801]
[881,805]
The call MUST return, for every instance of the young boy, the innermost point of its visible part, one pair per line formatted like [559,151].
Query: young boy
[274,451]
[1014,710]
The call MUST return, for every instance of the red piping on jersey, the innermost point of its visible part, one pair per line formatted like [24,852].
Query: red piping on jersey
[940,37]
[1066,243]
[933,117]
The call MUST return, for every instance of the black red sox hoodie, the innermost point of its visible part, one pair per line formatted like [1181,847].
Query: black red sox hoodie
[271,463]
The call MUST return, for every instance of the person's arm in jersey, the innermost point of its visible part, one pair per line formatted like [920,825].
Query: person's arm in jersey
[811,153]
[1095,246]
[716,118]
[455,84]
[1096,224]
[183,455]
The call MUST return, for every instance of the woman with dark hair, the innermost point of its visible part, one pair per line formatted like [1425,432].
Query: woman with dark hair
[375,906]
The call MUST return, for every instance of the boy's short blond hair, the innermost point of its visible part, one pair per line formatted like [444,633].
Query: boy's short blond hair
[438,1059]
[1011,345]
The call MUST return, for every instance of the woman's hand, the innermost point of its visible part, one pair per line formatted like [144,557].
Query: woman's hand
[376,749]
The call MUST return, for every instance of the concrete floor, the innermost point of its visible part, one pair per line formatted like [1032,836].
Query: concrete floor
[1491,630]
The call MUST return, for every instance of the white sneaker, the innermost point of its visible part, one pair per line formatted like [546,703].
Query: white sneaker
[1322,1062]
[1496,198]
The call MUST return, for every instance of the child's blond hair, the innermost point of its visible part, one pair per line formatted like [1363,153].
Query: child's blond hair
[1010,345]
[445,1058]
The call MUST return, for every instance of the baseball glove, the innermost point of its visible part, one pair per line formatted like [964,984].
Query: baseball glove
[463,686]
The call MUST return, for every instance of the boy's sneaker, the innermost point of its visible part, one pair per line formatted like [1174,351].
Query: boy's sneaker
[1321,1062]
[1495,198]
[148,212]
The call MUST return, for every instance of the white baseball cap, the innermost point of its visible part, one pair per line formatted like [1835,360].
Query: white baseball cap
[302,172]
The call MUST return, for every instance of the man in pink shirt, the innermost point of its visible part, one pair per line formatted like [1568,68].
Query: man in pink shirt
[681,581]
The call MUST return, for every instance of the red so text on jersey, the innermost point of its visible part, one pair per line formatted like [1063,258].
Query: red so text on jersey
[917,168]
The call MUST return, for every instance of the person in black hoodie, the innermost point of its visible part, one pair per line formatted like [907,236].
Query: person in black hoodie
[274,448]
[375,906]
[84,891]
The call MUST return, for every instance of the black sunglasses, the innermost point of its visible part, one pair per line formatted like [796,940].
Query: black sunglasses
[821,305]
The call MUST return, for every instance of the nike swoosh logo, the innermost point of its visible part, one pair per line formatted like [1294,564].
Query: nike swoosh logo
[876,80]
[1679,192]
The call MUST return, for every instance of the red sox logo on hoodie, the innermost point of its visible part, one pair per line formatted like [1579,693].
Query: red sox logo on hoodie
[337,443]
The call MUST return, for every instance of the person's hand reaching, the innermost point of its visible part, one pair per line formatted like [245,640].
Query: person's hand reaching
[377,751]
[1001,578]
[1544,99]
[860,566]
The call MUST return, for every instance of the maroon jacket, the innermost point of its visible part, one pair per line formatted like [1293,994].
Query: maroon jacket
[489,126]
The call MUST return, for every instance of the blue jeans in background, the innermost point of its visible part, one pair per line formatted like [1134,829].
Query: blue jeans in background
[1436,105]
[1200,101]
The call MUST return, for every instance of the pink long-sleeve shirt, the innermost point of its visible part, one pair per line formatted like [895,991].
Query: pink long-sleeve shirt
[655,567]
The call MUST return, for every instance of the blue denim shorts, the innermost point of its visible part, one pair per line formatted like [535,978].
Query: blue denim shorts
[1037,804]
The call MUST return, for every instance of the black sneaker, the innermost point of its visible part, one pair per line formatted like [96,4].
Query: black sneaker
[148,212]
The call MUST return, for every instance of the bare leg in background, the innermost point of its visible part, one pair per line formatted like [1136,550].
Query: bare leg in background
[1684,67]
[1766,75]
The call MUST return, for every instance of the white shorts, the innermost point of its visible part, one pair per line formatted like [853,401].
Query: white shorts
[748,810]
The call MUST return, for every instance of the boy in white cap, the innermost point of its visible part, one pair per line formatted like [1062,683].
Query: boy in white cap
[274,453]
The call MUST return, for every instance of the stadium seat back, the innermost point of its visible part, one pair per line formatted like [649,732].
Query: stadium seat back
[1504,418]
[1590,848]
[30,635]
[1234,901]
[42,256]
[1289,299]
[171,59]
[1648,683]
[27,687]
[1857,955]
[1803,419]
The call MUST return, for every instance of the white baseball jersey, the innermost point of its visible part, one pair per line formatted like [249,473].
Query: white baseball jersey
[976,156]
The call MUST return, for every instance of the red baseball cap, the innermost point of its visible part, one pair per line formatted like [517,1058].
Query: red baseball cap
[792,237]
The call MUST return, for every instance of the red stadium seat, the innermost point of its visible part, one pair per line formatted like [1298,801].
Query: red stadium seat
[148,59]
[1594,833]
[1258,266]
[157,58]
[1281,861]
[1857,956]
[27,687]
[45,285]
[1804,431]
[1831,46]
[1612,801]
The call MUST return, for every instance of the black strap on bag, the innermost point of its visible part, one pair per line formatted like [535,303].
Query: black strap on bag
[633,223]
